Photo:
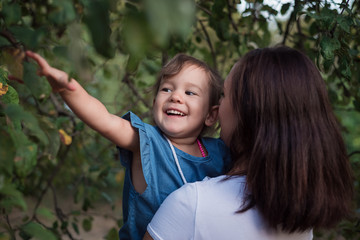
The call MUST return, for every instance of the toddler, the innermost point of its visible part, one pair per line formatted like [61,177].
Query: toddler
[158,159]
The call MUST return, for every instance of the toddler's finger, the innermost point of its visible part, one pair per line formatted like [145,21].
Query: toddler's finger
[40,60]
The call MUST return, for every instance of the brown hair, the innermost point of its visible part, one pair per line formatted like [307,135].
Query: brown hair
[176,64]
[287,135]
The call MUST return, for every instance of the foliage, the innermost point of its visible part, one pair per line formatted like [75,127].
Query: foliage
[115,48]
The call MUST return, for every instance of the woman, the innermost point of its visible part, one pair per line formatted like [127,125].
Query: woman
[290,171]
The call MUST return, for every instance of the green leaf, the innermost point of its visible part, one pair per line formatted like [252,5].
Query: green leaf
[328,47]
[25,159]
[38,232]
[87,224]
[345,22]
[3,76]
[39,86]
[346,71]
[11,197]
[112,234]
[328,17]
[61,51]
[7,152]
[132,63]
[98,21]
[284,8]
[52,133]
[218,9]
[136,34]
[45,212]
[26,150]
[356,103]
[327,64]
[221,28]
[75,227]
[11,13]
[4,42]
[169,17]
[28,36]
[269,9]
[16,113]
[11,96]
[63,12]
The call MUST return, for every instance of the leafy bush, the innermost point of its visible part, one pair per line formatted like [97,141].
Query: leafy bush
[115,48]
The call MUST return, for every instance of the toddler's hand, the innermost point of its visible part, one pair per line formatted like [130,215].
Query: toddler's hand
[58,79]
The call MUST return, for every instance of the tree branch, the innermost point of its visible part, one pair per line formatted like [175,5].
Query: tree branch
[59,213]
[342,11]
[50,179]
[301,36]
[230,17]
[208,12]
[6,34]
[11,230]
[353,153]
[289,23]
[126,80]
[208,40]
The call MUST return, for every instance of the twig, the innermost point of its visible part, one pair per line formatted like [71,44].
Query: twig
[6,34]
[11,230]
[230,17]
[301,36]
[49,181]
[126,80]
[59,213]
[208,40]
[60,109]
[342,11]
[207,11]
[353,153]
[289,23]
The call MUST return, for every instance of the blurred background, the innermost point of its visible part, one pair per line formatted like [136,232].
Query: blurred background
[61,180]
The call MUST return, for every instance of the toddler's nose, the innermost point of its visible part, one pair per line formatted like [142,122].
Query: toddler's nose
[176,97]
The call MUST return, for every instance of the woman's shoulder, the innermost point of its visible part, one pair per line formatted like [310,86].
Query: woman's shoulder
[221,181]
[223,185]
[208,189]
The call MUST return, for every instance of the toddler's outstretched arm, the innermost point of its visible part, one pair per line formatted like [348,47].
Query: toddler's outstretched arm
[87,108]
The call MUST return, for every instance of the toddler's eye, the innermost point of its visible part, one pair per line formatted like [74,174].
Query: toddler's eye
[165,90]
[190,93]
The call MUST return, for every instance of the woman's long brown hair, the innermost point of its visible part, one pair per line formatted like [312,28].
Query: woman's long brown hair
[288,137]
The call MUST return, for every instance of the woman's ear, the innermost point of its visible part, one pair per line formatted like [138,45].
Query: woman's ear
[212,116]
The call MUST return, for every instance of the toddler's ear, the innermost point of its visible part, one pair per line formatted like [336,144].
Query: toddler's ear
[212,116]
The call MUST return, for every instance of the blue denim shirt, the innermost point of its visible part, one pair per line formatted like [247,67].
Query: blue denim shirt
[161,174]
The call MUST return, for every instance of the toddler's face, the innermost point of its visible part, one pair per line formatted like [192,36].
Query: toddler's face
[181,105]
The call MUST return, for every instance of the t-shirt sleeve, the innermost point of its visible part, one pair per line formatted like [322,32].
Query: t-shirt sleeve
[175,219]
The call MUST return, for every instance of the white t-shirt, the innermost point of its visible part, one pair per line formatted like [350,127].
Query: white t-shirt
[207,210]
